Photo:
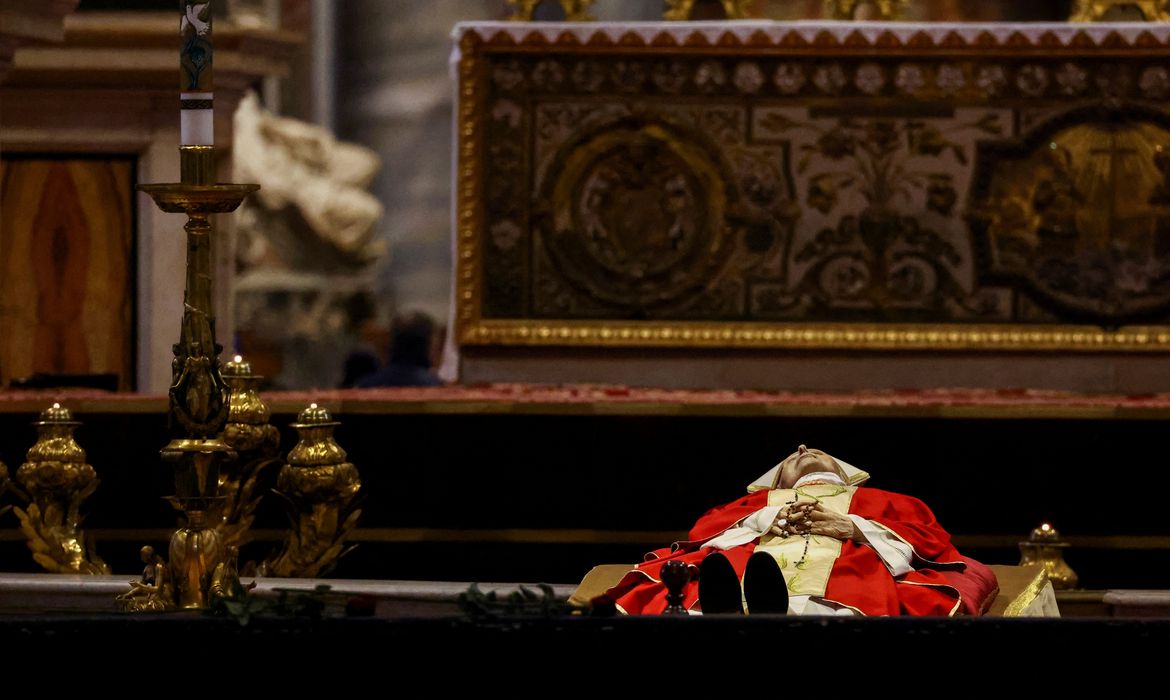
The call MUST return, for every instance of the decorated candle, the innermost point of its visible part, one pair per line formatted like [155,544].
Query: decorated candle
[196,125]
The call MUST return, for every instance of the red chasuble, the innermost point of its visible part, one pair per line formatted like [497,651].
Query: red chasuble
[858,579]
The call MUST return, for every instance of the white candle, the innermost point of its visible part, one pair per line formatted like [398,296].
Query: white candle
[196,121]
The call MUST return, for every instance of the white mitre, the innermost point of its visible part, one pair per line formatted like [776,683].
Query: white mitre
[853,475]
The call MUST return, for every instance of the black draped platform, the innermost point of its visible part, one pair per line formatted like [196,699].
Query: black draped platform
[539,484]
[506,652]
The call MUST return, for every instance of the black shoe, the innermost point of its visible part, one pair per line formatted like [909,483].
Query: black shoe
[719,590]
[764,586]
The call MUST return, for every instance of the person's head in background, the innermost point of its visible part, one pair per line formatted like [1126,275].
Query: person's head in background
[411,335]
[359,364]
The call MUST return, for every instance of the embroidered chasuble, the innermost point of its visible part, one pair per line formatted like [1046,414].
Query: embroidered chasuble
[836,573]
[807,572]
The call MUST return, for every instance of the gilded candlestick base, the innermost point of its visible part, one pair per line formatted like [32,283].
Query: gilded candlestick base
[195,552]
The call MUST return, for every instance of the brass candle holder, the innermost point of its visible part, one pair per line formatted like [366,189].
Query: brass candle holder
[54,482]
[1045,548]
[199,401]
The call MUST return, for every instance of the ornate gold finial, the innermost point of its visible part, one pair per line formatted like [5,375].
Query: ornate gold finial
[680,10]
[1120,11]
[575,10]
[1044,548]
[54,481]
[862,10]
[255,441]
[321,490]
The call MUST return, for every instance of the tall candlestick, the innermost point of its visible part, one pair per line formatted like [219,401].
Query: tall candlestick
[199,561]
[197,126]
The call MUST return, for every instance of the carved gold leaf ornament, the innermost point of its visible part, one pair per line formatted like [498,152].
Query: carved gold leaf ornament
[575,10]
[681,10]
[1129,10]
[866,9]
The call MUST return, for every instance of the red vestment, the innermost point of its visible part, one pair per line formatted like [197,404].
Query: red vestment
[858,578]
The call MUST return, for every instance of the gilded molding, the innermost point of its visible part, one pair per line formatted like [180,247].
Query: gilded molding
[842,336]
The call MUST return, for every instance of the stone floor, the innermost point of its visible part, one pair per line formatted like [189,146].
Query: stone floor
[55,594]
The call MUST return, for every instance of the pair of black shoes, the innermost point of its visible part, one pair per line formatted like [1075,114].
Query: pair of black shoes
[764,587]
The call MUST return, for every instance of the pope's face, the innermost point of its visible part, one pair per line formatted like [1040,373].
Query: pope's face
[806,461]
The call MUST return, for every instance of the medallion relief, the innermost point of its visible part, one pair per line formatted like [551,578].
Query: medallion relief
[1078,211]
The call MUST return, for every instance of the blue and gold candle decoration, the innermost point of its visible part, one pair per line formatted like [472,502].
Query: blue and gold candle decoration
[197,127]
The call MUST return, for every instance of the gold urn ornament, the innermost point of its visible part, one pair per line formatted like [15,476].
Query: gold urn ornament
[247,424]
[1045,548]
[321,491]
[257,444]
[55,481]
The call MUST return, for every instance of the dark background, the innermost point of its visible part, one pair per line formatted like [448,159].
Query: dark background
[989,482]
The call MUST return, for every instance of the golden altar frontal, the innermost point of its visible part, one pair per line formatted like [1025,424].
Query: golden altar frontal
[816,185]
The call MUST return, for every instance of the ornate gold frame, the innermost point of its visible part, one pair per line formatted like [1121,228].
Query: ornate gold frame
[472,329]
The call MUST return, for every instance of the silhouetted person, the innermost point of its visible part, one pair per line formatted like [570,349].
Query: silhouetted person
[359,365]
[410,354]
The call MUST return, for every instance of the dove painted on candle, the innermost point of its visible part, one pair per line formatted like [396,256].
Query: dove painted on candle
[196,123]
[197,16]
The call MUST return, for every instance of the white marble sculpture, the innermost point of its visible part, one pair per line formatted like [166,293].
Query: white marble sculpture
[315,182]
